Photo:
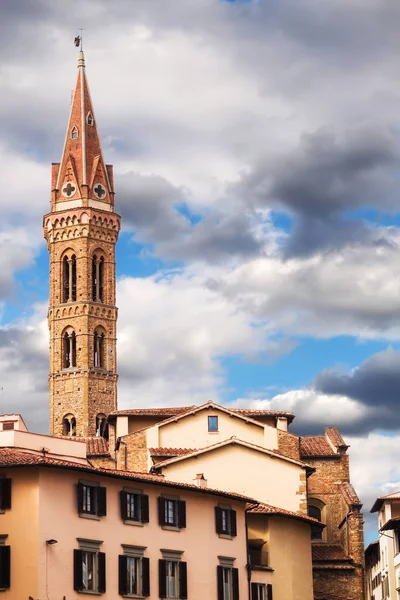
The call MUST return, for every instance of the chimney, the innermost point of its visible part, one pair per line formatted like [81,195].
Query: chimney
[200,480]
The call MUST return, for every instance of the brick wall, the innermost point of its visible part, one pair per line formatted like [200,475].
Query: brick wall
[132,454]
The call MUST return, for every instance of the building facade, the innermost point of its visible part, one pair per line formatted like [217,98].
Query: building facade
[383,561]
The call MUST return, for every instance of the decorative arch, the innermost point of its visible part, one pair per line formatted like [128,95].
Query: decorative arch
[98,262]
[101,426]
[68,262]
[99,348]
[68,348]
[317,510]
[69,425]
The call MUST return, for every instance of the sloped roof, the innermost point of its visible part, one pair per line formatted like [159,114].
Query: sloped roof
[379,501]
[95,446]
[210,406]
[350,495]
[231,441]
[335,437]
[316,446]
[12,457]
[329,553]
[267,509]
[167,411]
[171,451]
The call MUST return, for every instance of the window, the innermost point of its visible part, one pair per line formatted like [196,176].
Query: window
[74,133]
[99,349]
[5,563]
[5,493]
[172,576]
[134,506]
[89,119]
[228,582]
[212,423]
[97,278]
[89,567]
[69,425]
[396,535]
[69,349]
[225,521]
[257,553]
[8,425]
[101,426]
[317,510]
[69,278]
[134,572]
[260,591]
[92,500]
[171,512]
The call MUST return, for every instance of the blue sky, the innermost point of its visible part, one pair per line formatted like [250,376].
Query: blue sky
[256,152]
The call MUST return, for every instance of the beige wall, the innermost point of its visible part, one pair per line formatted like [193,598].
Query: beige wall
[246,471]
[192,431]
[21,524]
[59,520]
[289,542]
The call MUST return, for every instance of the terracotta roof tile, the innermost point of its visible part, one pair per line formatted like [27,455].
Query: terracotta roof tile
[171,451]
[167,411]
[263,413]
[316,446]
[379,501]
[329,553]
[97,446]
[267,509]
[335,437]
[350,494]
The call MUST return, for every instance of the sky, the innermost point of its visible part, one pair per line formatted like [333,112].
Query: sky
[256,149]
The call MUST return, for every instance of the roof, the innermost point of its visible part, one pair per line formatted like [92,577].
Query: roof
[379,501]
[329,553]
[335,437]
[12,457]
[171,451]
[231,441]
[267,509]
[210,406]
[95,446]
[167,411]
[391,524]
[172,411]
[316,446]
[350,494]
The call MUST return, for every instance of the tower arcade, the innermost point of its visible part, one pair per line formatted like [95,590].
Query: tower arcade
[81,231]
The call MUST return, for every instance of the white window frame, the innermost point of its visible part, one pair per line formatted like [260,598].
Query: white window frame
[90,548]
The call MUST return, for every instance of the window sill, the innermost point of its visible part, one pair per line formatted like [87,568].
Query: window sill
[170,528]
[260,568]
[136,524]
[213,432]
[225,536]
[90,593]
[94,518]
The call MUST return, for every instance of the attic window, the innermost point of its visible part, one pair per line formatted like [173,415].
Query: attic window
[74,133]
[7,425]
[89,119]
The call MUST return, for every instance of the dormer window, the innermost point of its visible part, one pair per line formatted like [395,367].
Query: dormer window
[89,119]
[74,133]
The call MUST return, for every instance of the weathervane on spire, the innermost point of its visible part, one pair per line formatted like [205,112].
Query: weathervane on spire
[78,41]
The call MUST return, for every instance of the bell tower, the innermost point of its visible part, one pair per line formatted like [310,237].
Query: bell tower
[81,231]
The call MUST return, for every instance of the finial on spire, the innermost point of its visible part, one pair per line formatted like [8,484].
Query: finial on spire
[78,40]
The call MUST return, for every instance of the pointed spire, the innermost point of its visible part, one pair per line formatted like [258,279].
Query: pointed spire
[82,174]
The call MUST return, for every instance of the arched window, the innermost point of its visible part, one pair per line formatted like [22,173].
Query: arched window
[69,425]
[69,278]
[69,349]
[74,133]
[101,426]
[99,349]
[317,510]
[97,278]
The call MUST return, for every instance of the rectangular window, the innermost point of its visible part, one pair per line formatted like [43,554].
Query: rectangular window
[134,572]
[228,582]
[89,567]
[5,563]
[5,493]
[225,521]
[171,512]
[172,579]
[260,591]
[134,506]
[212,423]
[92,500]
